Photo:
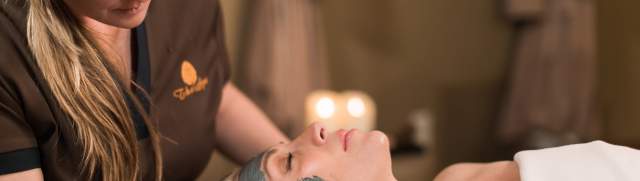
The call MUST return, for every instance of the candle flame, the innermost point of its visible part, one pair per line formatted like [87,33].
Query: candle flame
[325,108]
[356,107]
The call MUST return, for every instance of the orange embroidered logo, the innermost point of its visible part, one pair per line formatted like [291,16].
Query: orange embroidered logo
[190,78]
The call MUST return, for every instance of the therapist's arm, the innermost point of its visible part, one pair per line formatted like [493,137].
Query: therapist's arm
[242,129]
[28,175]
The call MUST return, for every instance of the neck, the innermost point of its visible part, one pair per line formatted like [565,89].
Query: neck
[390,177]
[387,176]
[114,42]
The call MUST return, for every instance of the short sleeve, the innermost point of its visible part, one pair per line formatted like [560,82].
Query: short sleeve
[18,146]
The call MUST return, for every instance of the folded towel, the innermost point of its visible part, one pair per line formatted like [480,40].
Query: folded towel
[594,161]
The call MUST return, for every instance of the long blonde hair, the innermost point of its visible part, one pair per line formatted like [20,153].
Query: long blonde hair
[78,74]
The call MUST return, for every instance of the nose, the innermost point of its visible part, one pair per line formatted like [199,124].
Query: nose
[316,133]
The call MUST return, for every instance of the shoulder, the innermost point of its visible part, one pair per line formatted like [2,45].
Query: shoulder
[15,54]
[13,42]
[13,15]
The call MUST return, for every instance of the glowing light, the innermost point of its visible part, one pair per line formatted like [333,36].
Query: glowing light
[355,107]
[325,107]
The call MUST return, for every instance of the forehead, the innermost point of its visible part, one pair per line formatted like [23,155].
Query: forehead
[277,150]
[269,155]
[274,149]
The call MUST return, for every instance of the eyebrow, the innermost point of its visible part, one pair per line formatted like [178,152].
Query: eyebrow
[266,159]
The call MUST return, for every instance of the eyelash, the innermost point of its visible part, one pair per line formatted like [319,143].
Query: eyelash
[289,162]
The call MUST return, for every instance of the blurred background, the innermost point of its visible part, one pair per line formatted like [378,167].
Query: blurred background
[451,80]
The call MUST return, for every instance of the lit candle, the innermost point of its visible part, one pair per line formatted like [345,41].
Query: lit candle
[322,106]
[351,109]
[360,111]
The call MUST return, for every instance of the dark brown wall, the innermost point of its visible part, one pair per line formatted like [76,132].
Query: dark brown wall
[450,56]
[407,54]
[619,56]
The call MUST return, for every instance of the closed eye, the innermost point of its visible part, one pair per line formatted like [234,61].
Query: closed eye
[289,162]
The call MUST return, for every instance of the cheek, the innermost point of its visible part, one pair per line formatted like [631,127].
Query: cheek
[372,155]
[377,147]
[378,139]
[317,163]
[103,4]
[374,142]
[101,9]
[95,9]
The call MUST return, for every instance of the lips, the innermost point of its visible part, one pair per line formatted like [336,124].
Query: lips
[131,8]
[346,136]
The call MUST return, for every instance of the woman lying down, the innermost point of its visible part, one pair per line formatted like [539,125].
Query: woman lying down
[317,155]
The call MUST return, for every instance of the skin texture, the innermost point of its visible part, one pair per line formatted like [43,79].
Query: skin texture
[318,154]
[496,171]
[110,23]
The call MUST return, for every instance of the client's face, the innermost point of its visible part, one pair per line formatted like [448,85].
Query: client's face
[118,13]
[341,155]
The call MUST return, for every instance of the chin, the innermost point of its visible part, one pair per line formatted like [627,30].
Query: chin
[379,138]
[126,21]
[129,23]
[378,145]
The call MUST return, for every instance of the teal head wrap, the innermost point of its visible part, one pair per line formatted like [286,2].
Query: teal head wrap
[252,171]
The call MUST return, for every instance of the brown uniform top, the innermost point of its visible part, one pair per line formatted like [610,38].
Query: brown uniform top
[179,58]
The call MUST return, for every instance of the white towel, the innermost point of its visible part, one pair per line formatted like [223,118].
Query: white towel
[595,161]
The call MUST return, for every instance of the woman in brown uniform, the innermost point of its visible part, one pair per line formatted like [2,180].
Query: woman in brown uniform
[119,90]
